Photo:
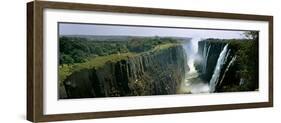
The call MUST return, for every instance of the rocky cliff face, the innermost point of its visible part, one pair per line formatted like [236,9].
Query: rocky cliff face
[153,73]
[229,65]
[210,51]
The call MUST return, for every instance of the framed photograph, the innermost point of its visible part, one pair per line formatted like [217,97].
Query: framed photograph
[96,61]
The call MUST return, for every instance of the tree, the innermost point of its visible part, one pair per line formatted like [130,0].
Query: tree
[251,35]
[66,59]
[78,56]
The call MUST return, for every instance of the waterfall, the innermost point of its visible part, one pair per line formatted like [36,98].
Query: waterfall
[220,62]
[227,68]
[206,54]
[192,83]
[203,57]
[190,53]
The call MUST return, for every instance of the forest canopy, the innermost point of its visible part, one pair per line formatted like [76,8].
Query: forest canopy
[78,49]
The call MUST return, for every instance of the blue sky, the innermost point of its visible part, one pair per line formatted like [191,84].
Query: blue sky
[92,29]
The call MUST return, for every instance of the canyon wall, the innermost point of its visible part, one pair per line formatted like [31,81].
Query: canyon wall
[152,73]
[229,65]
[209,50]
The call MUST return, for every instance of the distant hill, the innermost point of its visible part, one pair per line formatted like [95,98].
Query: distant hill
[122,37]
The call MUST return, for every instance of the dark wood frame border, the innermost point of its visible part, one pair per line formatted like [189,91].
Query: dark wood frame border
[35,60]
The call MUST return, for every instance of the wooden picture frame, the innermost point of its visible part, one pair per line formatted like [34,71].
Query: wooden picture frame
[35,60]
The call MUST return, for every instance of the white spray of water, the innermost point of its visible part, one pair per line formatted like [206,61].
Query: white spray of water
[191,66]
[192,83]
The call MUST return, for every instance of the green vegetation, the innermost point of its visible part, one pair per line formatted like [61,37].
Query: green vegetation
[246,65]
[78,49]
[81,53]
[247,59]
[67,69]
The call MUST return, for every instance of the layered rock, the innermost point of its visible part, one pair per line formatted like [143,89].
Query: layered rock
[153,73]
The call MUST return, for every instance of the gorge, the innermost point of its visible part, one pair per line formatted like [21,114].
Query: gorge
[187,67]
